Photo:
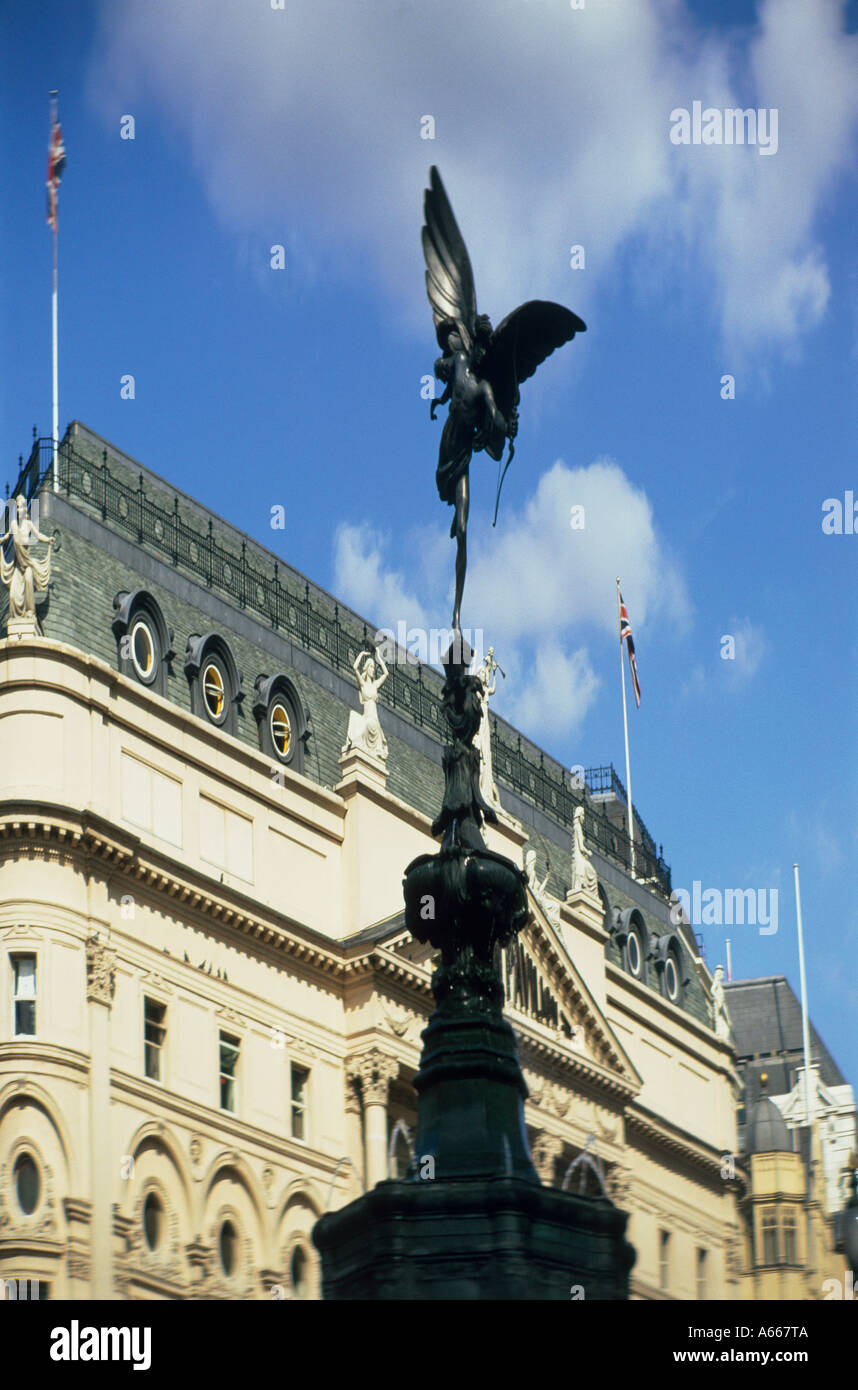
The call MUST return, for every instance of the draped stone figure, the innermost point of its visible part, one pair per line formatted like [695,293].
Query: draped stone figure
[22,574]
[365,731]
[723,1026]
[483,739]
[548,904]
[584,878]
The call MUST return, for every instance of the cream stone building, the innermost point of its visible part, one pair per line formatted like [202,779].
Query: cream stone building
[210,1010]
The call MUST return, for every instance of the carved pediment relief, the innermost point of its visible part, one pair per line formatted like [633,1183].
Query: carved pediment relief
[543,988]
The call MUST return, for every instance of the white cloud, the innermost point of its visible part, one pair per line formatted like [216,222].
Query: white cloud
[558,693]
[533,590]
[552,127]
[741,650]
[365,584]
[751,648]
[539,576]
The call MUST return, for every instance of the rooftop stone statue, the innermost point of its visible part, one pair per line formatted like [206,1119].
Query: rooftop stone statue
[23,575]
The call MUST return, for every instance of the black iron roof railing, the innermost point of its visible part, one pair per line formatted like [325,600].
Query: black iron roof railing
[287,606]
[606,780]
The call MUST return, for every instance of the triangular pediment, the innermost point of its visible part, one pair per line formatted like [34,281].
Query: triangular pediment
[548,1002]
[793,1107]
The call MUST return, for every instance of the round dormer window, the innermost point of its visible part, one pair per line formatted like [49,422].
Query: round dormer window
[280,727]
[634,953]
[671,979]
[144,651]
[214,692]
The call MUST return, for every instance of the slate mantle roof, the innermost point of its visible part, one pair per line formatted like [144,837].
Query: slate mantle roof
[123,527]
[766,1017]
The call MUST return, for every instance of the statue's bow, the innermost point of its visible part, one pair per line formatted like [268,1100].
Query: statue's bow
[511,451]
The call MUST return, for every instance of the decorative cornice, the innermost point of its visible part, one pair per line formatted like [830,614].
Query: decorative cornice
[248,1139]
[665,1136]
[49,1057]
[573,1064]
[672,1015]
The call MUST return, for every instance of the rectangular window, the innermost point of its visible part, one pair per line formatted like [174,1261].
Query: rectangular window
[24,995]
[790,1239]
[300,1080]
[151,800]
[229,1050]
[663,1259]
[154,1032]
[226,839]
[701,1274]
[770,1236]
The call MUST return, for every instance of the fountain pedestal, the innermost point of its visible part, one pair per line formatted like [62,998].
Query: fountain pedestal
[471,1220]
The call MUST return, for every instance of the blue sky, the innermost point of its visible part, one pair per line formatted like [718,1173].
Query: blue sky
[257,127]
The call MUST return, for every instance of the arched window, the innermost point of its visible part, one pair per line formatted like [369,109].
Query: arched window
[27,1181]
[281,719]
[144,642]
[299,1272]
[214,680]
[629,931]
[153,1220]
[668,961]
[228,1248]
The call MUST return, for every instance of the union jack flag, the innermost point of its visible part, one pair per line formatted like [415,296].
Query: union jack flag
[626,636]
[56,165]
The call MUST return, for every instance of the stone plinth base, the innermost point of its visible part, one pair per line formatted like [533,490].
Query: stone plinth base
[17,628]
[492,1238]
[360,766]
[587,906]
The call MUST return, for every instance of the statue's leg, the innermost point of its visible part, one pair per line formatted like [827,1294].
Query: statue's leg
[461,546]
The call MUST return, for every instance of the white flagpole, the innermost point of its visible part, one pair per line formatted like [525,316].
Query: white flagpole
[805,1030]
[626,732]
[55,419]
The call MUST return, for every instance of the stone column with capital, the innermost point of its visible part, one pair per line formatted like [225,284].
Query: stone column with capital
[375,1071]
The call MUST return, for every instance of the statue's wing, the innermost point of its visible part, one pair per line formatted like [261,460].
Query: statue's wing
[449,278]
[521,341]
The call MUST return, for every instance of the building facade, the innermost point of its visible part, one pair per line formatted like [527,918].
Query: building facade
[796,1142]
[211,1011]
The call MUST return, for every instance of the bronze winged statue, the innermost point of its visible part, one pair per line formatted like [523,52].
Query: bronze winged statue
[481,368]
